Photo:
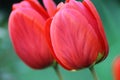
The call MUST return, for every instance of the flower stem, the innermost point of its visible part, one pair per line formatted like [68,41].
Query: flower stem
[92,70]
[56,68]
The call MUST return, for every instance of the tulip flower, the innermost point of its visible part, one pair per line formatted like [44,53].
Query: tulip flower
[116,68]
[77,35]
[26,30]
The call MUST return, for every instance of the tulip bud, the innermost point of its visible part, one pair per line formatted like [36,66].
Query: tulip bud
[77,35]
[26,30]
[116,68]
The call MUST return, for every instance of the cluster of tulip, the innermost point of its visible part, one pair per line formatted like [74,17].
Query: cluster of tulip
[70,34]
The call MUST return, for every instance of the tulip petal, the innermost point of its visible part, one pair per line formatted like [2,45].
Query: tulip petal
[47,33]
[84,11]
[26,33]
[92,21]
[32,4]
[116,68]
[23,4]
[99,30]
[72,38]
[50,6]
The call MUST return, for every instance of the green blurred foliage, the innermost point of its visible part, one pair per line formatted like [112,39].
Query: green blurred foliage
[12,68]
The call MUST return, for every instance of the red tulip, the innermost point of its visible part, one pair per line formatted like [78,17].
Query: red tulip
[116,68]
[26,29]
[77,35]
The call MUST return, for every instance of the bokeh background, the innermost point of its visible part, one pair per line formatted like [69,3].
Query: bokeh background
[12,68]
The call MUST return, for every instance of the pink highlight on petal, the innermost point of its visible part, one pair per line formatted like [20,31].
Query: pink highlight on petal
[50,6]
[22,4]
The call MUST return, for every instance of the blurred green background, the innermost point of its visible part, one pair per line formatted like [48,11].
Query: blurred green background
[12,68]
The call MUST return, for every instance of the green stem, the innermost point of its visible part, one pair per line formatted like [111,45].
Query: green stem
[56,68]
[92,70]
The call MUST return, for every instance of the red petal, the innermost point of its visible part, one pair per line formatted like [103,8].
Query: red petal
[74,41]
[99,30]
[47,33]
[50,6]
[67,0]
[32,4]
[116,68]
[25,29]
